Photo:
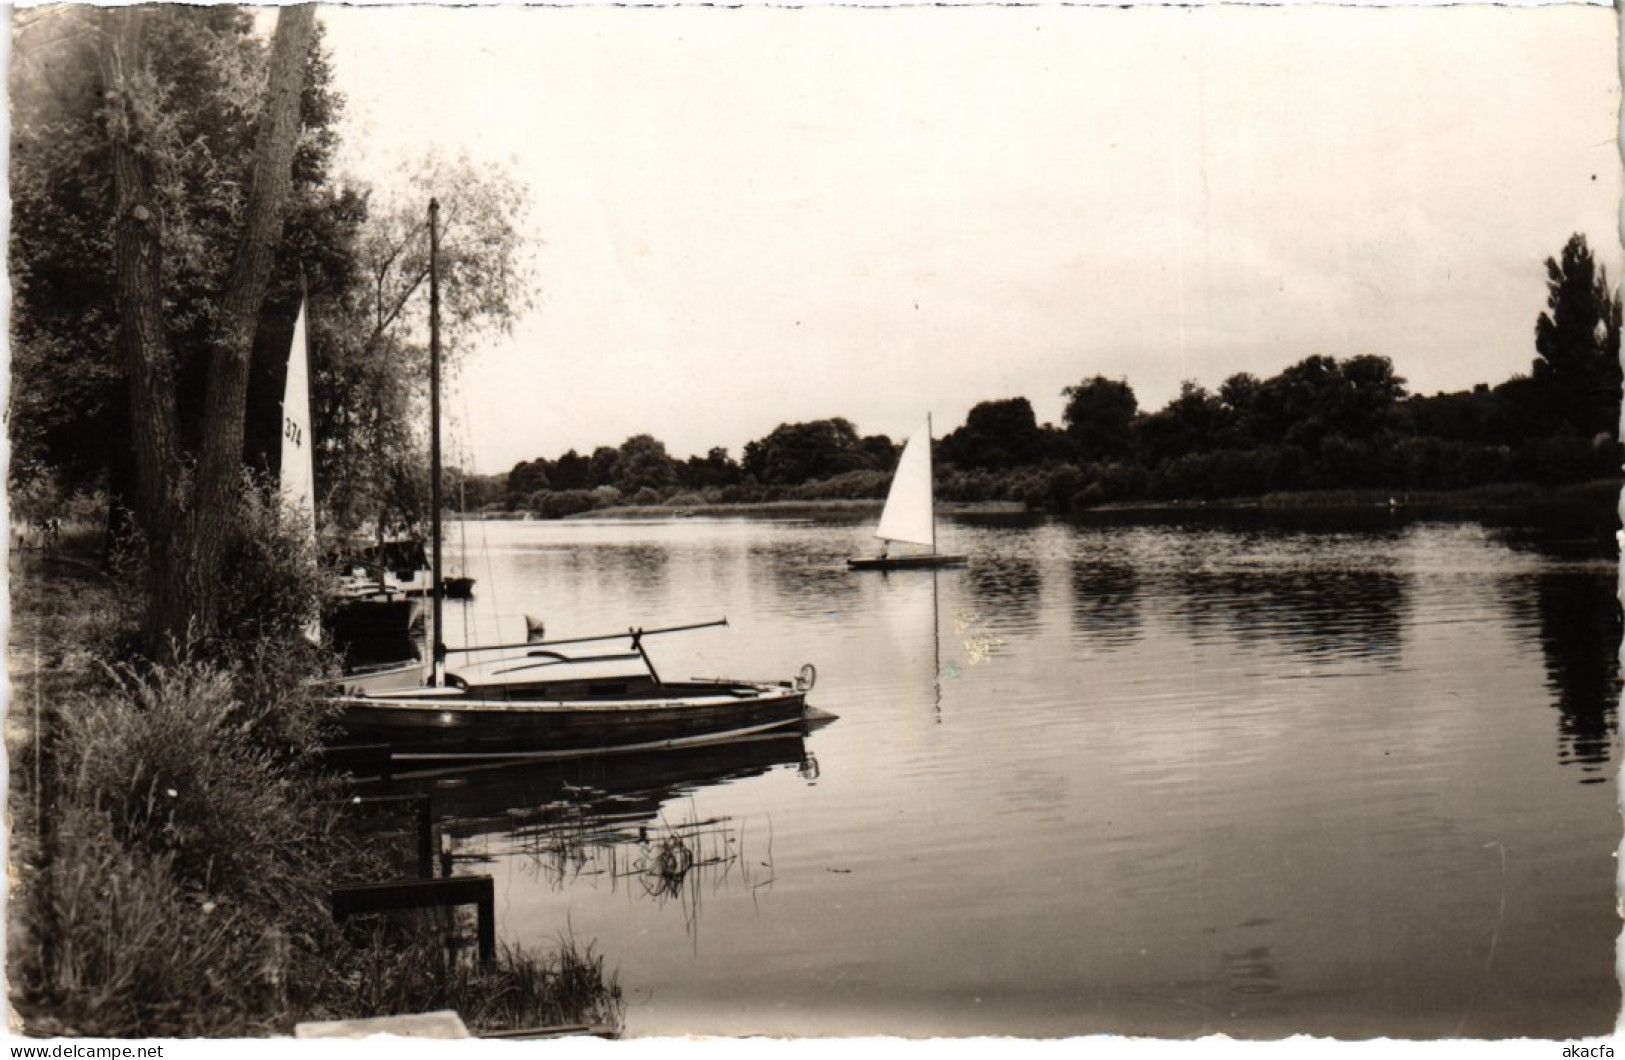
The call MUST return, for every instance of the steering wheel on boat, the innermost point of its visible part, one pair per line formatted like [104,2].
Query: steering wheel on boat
[807,678]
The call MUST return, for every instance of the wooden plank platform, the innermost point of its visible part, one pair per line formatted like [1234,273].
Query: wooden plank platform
[568,1030]
[443,1024]
[479,891]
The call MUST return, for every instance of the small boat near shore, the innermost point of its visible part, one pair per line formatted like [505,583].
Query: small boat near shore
[398,567]
[588,709]
[910,514]
[536,701]
[549,699]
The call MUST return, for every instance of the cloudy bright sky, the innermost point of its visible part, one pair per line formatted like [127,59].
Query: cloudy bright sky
[750,217]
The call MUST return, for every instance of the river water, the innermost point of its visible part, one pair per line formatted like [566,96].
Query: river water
[1349,774]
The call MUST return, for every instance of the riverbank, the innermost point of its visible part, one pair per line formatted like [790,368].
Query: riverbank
[174,843]
[1478,498]
[787,509]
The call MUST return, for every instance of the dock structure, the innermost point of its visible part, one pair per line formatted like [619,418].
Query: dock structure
[479,891]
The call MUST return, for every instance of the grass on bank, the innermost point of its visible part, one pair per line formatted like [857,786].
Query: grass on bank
[173,846]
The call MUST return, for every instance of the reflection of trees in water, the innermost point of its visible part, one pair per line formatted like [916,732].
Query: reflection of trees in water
[1564,534]
[1006,590]
[647,565]
[1105,603]
[1322,614]
[1577,619]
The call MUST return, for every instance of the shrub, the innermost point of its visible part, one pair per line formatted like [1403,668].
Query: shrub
[744,493]
[520,989]
[849,485]
[172,762]
[127,951]
[562,503]
[277,584]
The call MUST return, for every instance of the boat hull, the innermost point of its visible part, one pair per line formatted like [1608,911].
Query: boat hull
[926,562]
[450,589]
[375,632]
[452,724]
[386,677]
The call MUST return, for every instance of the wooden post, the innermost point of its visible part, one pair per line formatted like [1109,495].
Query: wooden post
[425,838]
[479,891]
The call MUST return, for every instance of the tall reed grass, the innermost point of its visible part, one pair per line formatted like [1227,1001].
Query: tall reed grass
[174,844]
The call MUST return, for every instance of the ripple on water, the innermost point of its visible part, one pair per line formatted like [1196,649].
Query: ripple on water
[1231,775]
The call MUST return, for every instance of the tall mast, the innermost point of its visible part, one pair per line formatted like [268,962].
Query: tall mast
[930,483]
[439,664]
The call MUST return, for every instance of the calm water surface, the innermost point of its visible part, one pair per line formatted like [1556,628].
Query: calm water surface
[1350,776]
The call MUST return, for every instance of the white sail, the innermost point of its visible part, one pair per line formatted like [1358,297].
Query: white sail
[298,474]
[298,467]
[908,514]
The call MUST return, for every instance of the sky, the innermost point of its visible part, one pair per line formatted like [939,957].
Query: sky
[742,218]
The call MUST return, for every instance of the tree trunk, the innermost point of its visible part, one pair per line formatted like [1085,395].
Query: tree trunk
[188,528]
[138,260]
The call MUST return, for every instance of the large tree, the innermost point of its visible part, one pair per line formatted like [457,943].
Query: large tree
[1099,417]
[69,399]
[997,434]
[188,493]
[1193,422]
[644,463]
[371,377]
[803,452]
[1577,342]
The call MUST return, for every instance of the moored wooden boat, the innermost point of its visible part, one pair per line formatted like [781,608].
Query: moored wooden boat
[458,724]
[533,700]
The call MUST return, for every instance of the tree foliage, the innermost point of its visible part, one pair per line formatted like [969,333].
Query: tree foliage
[1099,417]
[370,372]
[188,456]
[1577,343]
[644,464]
[192,99]
[192,81]
[802,452]
[997,434]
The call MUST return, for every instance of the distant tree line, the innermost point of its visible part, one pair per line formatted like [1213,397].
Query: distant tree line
[822,459]
[1323,423]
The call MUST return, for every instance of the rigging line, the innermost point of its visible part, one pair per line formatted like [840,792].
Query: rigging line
[486,568]
[459,425]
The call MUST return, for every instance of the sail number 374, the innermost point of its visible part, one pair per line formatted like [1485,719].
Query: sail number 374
[293,432]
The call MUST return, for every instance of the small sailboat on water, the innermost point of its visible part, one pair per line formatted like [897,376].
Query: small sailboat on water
[553,699]
[370,630]
[910,514]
